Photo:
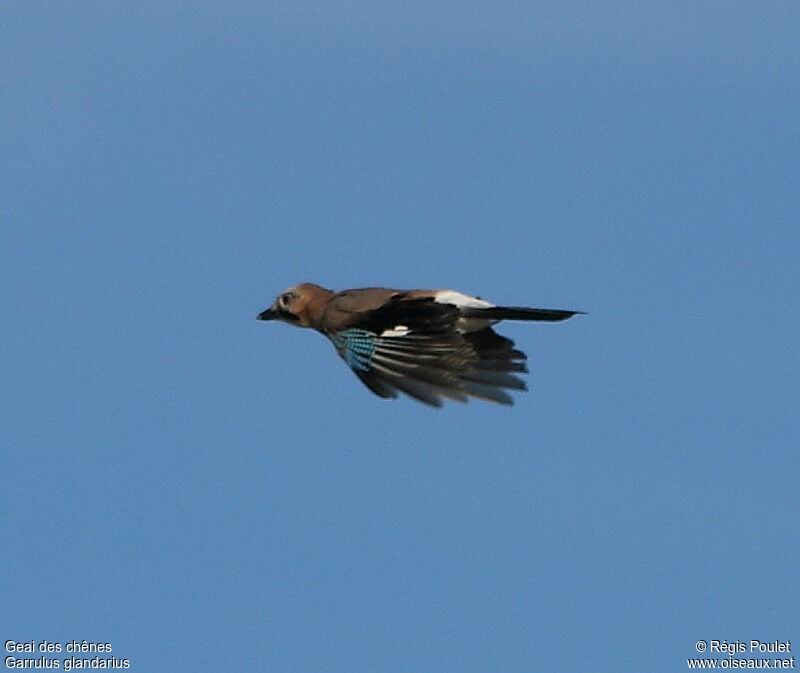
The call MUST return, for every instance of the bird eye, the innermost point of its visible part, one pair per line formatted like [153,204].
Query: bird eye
[285,299]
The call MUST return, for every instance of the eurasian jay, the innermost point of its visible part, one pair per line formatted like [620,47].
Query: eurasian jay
[427,343]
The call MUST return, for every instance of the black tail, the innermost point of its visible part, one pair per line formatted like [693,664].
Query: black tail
[518,313]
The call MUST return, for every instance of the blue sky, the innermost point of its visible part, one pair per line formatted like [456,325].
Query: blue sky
[207,492]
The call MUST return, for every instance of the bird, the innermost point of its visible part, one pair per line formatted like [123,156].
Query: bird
[429,344]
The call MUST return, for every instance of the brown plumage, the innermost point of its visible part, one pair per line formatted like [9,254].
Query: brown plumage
[429,344]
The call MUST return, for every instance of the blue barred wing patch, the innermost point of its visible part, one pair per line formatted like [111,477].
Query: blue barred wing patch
[356,346]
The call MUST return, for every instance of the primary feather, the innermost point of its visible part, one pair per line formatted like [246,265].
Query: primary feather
[430,358]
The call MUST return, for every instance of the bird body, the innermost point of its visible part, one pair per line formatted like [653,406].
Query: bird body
[428,344]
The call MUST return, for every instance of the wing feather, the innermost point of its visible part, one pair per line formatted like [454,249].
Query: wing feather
[429,358]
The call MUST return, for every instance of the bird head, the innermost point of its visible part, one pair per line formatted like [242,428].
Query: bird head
[296,305]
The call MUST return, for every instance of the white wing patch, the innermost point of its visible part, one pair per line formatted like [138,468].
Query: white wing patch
[396,331]
[460,300]
[464,325]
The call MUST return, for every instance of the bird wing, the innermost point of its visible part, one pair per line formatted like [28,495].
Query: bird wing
[413,346]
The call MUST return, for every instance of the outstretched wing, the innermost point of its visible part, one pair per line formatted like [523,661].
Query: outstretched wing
[412,345]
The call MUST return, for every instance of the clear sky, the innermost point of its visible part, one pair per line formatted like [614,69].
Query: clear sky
[207,492]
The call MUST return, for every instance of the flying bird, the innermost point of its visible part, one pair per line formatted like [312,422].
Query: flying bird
[429,344]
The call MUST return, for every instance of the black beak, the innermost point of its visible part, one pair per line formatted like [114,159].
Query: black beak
[269,314]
